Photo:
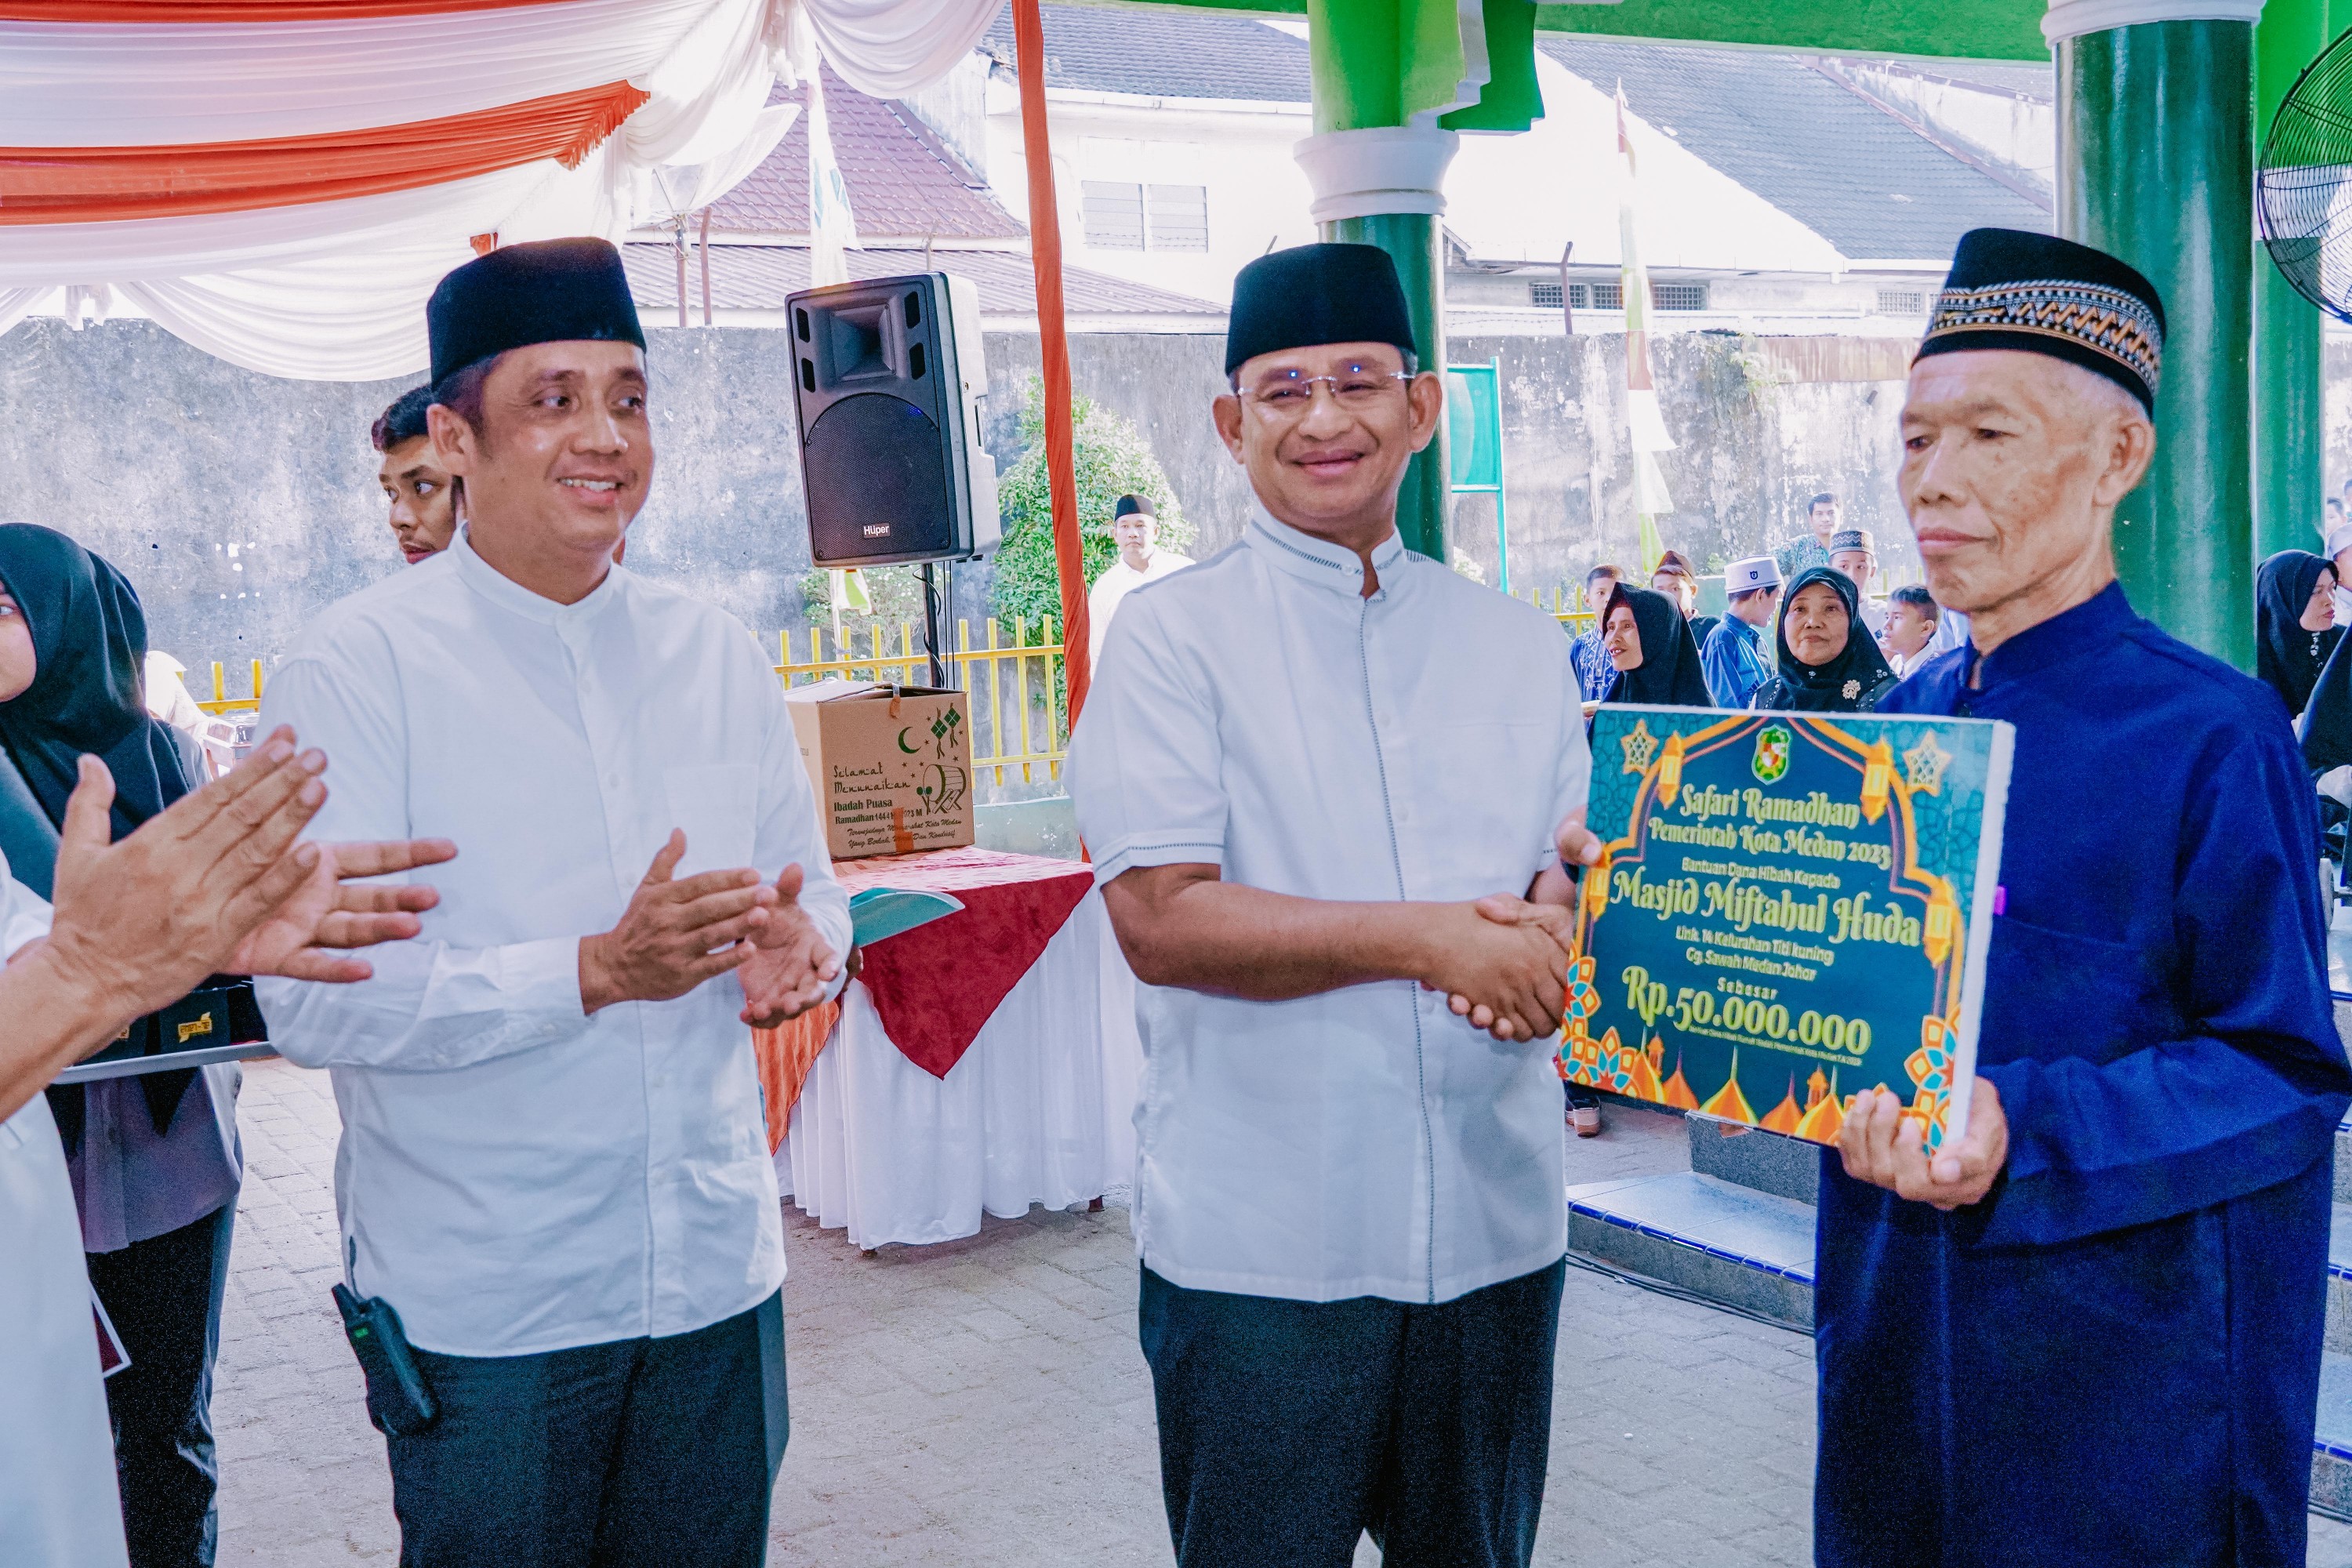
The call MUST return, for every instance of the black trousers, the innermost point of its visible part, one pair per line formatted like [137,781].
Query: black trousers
[164,1296]
[649,1453]
[1289,1429]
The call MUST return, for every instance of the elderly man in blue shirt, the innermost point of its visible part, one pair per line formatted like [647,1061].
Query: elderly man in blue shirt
[2089,1334]
[1318,817]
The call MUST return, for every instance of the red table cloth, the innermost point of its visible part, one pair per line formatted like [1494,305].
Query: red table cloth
[935,986]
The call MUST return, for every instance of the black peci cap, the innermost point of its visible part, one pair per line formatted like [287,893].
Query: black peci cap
[1128,504]
[544,292]
[2010,289]
[1315,294]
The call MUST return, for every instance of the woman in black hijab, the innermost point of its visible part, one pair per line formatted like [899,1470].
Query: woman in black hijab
[90,643]
[1832,665]
[155,1158]
[1647,639]
[2295,627]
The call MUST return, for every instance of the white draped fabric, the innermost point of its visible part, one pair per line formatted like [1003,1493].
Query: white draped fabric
[335,291]
[65,85]
[1039,1110]
[888,48]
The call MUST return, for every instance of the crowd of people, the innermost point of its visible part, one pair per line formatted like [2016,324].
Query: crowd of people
[1342,857]
[1833,648]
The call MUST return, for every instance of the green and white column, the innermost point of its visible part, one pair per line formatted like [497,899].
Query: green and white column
[1384,185]
[2156,158]
[1396,82]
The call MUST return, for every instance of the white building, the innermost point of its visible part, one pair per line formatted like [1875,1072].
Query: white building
[1777,193]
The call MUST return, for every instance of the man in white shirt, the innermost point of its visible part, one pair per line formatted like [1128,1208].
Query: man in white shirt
[215,883]
[1135,526]
[553,1166]
[1313,803]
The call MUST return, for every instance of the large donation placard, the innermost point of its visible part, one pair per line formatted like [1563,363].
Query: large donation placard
[1792,908]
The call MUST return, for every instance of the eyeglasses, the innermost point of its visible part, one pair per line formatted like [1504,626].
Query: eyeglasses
[1288,394]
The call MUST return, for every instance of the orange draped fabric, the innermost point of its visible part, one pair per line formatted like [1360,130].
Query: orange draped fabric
[181,12]
[1054,345]
[785,1054]
[93,184]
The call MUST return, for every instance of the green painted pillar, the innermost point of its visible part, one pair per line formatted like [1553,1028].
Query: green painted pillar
[1391,78]
[2287,445]
[1425,502]
[2156,166]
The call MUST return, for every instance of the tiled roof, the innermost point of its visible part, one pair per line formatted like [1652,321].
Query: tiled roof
[2039,83]
[1155,54]
[1812,146]
[903,182]
[758,277]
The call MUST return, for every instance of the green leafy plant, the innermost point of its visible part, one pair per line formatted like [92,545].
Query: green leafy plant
[1113,459]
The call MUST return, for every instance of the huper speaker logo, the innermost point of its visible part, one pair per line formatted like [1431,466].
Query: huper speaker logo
[876,531]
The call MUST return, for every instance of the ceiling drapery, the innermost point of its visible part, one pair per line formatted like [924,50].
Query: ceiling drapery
[282,182]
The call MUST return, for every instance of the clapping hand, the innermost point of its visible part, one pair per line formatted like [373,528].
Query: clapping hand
[331,909]
[675,935]
[791,963]
[218,883]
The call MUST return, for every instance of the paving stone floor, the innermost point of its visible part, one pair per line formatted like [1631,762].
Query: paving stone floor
[983,1403]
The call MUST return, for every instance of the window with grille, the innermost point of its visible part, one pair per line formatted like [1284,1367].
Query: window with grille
[1678,296]
[1179,216]
[1608,296]
[1902,302]
[1544,296]
[1113,213]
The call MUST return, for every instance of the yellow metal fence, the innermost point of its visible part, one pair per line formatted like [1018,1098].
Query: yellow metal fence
[1014,686]
[1014,683]
[1013,678]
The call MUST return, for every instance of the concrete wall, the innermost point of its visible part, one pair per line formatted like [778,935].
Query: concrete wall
[240,504]
[1754,446]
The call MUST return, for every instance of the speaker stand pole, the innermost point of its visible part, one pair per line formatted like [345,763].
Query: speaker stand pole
[931,625]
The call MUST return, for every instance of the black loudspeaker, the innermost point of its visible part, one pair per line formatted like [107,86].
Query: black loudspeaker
[888,377]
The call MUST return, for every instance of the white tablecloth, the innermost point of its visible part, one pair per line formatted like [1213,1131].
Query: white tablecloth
[1040,1110]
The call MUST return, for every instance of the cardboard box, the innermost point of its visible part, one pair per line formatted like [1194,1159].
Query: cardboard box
[891,765]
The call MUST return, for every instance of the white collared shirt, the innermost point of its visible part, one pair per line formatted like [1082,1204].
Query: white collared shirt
[1256,713]
[514,1177]
[1112,589]
[59,1506]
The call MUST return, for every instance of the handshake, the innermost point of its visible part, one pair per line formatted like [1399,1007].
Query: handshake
[1503,961]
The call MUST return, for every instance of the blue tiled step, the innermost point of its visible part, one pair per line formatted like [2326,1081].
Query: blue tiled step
[1724,1242]
[1755,1251]
[2331,1446]
[2339,1274]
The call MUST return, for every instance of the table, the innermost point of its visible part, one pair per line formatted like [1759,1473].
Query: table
[1038,1110]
